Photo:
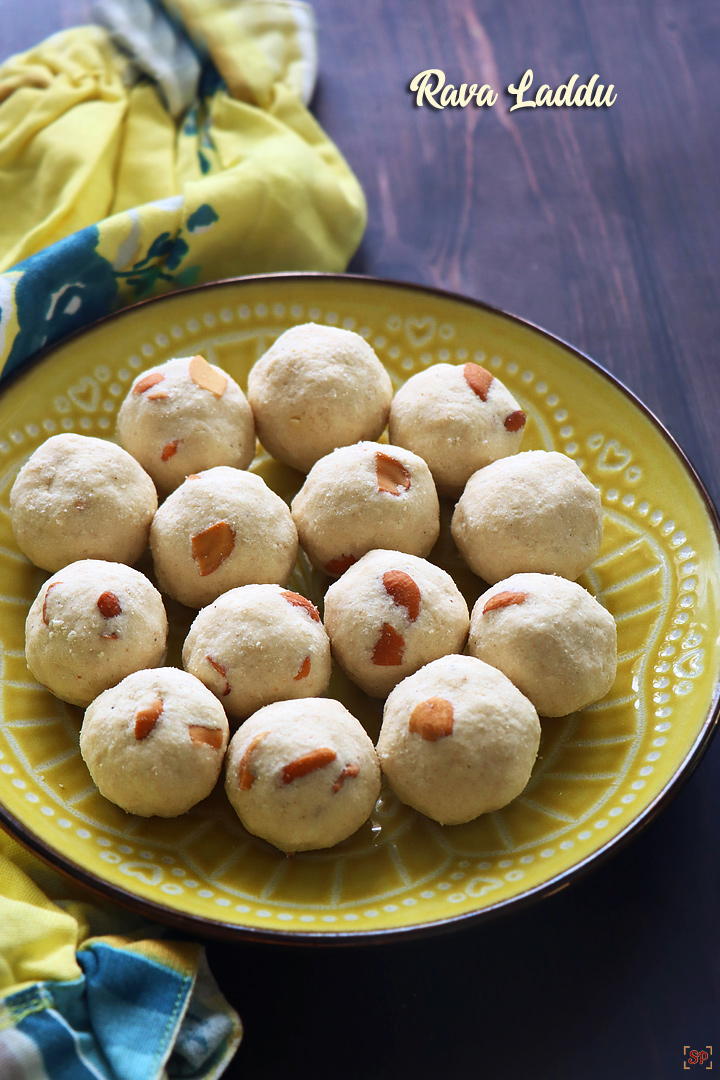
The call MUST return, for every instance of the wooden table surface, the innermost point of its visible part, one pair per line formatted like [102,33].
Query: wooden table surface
[602,226]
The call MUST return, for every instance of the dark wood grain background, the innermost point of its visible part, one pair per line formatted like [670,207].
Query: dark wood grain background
[602,226]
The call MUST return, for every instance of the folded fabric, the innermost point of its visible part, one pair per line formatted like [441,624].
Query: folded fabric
[121,190]
[122,1006]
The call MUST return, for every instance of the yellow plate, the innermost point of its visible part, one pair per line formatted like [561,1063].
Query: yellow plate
[600,774]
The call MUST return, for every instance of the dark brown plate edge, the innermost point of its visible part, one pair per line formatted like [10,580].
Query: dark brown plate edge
[201,926]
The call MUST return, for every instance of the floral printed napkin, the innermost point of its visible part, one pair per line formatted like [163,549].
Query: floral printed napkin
[158,151]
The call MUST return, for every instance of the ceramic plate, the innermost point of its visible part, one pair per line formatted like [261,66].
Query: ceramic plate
[600,773]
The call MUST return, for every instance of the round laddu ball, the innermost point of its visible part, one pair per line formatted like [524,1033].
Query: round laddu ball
[458,740]
[184,416]
[390,614]
[551,638]
[363,497]
[315,389]
[458,418]
[154,744]
[259,644]
[81,498]
[221,529]
[91,624]
[302,774]
[532,512]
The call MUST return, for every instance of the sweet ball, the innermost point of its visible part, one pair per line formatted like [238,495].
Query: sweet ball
[302,774]
[258,644]
[91,624]
[366,496]
[154,744]
[458,418]
[221,529]
[184,416]
[78,497]
[551,638]
[317,388]
[458,740]
[534,512]
[390,614]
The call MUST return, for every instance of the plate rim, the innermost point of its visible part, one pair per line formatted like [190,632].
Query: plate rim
[203,926]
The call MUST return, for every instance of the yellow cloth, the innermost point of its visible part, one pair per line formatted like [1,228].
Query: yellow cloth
[85,986]
[45,917]
[37,938]
[246,182]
